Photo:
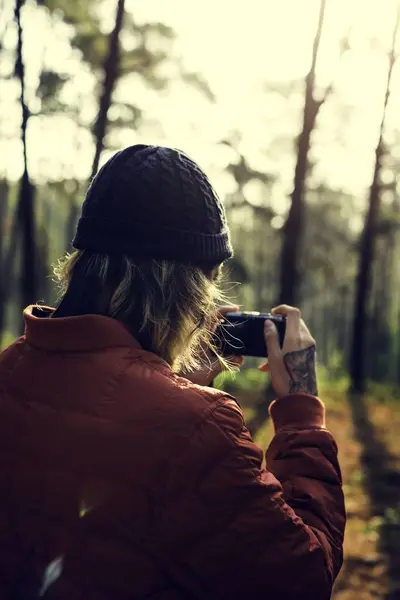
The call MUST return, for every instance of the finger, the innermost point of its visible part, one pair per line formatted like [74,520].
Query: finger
[264,368]
[286,310]
[293,318]
[235,360]
[272,340]
[223,310]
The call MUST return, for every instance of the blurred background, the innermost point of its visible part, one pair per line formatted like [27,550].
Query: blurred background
[292,108]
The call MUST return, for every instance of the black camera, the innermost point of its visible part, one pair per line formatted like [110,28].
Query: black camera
[242,333]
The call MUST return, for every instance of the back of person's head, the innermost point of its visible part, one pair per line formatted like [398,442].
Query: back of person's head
[148,251]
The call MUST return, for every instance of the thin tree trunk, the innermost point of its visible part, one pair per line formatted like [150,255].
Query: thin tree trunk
[377,334]
[396,295]
[326,322]
[390,286]
[26,191]
[367,246]
[10,253]
[392,273]
[294,226]
[111,71]
[43,249]
[3,216]
[342,317]
[259,264]
[398,348]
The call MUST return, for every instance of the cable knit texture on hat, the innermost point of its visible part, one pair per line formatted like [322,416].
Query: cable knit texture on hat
[154,202]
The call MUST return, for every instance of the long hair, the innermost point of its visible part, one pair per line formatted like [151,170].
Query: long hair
[168,306]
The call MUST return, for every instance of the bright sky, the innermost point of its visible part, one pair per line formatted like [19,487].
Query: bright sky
[244,50]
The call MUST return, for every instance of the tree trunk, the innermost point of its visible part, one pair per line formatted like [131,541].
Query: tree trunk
[377,346]
[28,255]
[392,272]
[3,217]
[326,328]
[111,71]
[367,247]
[259,265]
[294,226]
[396,296]
[26,191]
[43,250]
[342,318]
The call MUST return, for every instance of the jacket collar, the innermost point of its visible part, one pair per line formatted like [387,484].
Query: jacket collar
[83,333]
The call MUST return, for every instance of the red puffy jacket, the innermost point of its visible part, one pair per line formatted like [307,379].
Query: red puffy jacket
[120,480]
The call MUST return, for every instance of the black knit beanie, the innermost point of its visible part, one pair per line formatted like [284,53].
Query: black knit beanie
[154,202]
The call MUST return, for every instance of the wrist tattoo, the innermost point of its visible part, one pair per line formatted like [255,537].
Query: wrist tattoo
[300,365]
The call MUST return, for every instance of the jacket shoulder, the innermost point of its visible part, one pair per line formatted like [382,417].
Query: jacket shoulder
[10,354]
[158,390]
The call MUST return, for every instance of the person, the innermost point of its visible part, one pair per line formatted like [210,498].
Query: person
[121,478]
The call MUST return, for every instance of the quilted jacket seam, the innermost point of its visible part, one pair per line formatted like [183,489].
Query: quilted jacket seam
[115,381]
[255,472]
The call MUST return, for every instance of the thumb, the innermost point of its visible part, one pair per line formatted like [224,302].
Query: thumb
[272,339]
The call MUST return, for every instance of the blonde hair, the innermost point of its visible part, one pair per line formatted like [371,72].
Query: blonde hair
[169,307]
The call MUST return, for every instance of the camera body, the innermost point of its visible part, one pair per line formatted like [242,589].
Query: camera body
[242,333]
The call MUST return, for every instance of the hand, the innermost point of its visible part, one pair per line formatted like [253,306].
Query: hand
[292,367]
[211,366]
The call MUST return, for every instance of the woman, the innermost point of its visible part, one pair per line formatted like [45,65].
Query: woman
[121,479]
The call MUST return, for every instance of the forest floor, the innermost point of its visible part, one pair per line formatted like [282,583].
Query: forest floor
[367,431]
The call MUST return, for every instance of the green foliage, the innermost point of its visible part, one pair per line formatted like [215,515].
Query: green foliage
[149,49]
[382,392]
[93,45]
[199,83]
[7,339]
[50,84]
[237,270]
[330,252]
[235,383]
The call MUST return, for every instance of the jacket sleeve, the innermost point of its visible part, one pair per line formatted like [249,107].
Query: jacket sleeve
[230,529]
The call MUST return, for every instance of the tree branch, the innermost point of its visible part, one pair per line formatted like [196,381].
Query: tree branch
[111,74]
[344,47]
